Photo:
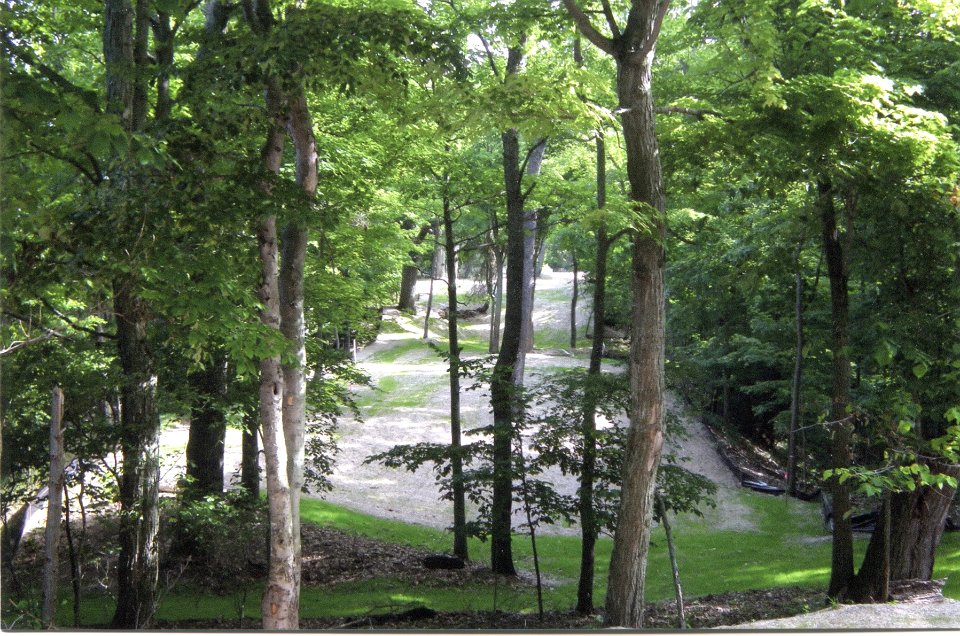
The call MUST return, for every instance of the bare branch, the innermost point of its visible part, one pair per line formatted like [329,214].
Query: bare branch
[583,23]
[18,344]
[490,57]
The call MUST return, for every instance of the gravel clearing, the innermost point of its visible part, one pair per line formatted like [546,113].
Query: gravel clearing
[941,615]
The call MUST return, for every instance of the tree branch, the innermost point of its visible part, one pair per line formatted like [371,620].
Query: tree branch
[73,324]
[583,23]
[699,113]
[611,22]
[651,40]
[18,344]
[490,58]
[29,57]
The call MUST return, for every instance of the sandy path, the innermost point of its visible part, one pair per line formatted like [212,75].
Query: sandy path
[414,497]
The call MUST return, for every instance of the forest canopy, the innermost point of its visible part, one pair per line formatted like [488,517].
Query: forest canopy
[209,205]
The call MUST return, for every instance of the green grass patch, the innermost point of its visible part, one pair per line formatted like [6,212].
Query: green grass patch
[389,325]
[401,348]
[388,397]
[545,338]
[554,295]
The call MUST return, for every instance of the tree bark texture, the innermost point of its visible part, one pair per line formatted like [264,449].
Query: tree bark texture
[137,565]
[125,34]
[915,521]
[51,543]
[279,605]
[633,49]
[835,249]
[872,582]
[292,323]
[645,437]
[208,429]
[456,460]
[280,602]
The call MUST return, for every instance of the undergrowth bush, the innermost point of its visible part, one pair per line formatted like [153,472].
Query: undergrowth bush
[220,537]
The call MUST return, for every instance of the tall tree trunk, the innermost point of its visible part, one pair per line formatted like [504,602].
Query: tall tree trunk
[796,384]
[208,429]
[834,244]
[503,390]
[587,511]
[280,602]
[137,564]
[51,543]
[645,437]
[459,496]
[633,49]
[292,322]
[125,37]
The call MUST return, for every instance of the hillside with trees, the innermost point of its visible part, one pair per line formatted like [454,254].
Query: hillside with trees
[342,313]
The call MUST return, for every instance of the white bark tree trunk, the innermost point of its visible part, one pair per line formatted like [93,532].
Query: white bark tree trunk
[51,560]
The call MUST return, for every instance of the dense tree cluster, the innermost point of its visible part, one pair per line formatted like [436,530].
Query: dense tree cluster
[206,204]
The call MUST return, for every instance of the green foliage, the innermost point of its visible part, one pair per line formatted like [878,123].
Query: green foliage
[220,536]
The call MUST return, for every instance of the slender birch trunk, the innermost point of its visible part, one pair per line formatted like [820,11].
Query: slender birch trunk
[51,544]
